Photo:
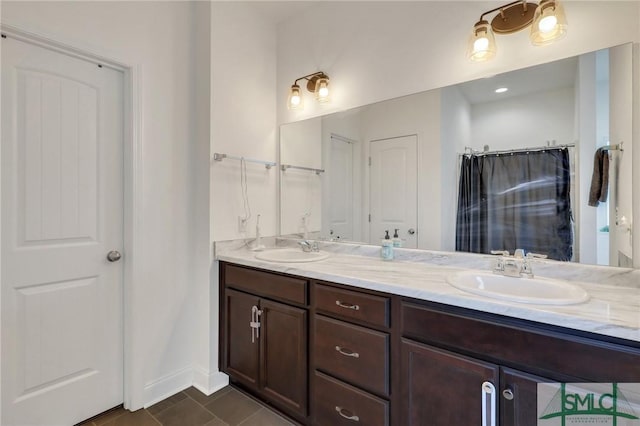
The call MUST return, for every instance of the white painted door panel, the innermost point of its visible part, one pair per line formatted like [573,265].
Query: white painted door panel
[61,159]
[393,189]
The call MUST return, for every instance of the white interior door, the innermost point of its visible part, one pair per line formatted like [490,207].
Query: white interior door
[393,192]
[340,189]
[62,211]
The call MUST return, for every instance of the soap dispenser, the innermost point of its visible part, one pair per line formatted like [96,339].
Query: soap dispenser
[386,252]
[397,241]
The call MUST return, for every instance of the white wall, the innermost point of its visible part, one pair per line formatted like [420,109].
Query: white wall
[301,190]
[243,119]
[621,101]
[379,50]
[160,38]
[524,121]
[455,136]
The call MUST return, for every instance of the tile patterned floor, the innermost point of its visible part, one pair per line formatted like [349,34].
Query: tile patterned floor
[227,407]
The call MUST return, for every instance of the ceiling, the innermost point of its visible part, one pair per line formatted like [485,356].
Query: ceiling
[540,78]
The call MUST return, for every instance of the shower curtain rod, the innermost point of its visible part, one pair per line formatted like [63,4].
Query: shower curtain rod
[513,151]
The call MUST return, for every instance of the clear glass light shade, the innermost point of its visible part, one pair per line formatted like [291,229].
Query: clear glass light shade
[549,23]
[295,98]
[482,43]
[322,89]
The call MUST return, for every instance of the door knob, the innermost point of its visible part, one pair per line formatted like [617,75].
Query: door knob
[113,256]
[411,231]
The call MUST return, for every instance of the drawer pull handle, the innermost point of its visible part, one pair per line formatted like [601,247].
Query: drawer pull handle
[347,305]
[341,411]
[347,352]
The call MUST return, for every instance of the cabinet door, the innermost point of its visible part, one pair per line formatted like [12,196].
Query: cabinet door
[283,336]
[440,388]
[518,398]
[242,357]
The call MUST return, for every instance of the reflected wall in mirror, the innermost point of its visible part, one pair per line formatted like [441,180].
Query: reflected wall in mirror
[396,165]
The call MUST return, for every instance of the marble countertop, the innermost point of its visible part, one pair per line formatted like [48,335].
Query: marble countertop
[613,309]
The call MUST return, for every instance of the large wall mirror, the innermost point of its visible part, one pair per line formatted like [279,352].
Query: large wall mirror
[544,165]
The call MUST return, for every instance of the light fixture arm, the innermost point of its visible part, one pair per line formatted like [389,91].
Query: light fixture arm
[311,80]
[504,6]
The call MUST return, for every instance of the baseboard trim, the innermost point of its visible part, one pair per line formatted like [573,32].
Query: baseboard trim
[168,385]
[209,382]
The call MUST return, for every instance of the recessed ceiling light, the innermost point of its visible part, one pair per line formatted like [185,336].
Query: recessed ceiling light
[501,90]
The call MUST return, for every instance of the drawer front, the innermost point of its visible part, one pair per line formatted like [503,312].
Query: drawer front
[262,283]
[355,354]
[351,305]
[336,403]
[543,352]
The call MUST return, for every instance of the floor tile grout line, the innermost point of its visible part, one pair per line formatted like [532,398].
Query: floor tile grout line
[253,415]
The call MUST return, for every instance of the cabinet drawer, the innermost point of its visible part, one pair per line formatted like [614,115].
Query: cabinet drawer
[334,402]
[262,283]
[544,352]
[351,305]
[355,354]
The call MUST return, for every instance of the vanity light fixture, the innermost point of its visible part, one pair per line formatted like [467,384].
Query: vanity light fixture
[547,20]
[317,83]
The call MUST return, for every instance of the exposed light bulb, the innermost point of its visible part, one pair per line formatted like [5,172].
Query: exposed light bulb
[480,45]
[548,23]
[501,89]
[322,89]
[295,99]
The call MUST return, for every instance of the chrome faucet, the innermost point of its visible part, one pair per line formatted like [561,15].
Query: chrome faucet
[308,246]
[516,266]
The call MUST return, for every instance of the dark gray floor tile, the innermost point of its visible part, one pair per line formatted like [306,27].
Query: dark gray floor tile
[137,418]
[184,413]
[233,407]
[109,415]
[216,422]
[104,417]
[266,417]
[166,403]
[203,399]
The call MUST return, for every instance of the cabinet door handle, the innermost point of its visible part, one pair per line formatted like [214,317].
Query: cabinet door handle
[507,394]
[255,323]
[347,352]
[353,417]
[347,305]
[488,404]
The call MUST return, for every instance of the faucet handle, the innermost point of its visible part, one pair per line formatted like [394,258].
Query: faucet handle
[526,270]
[518,254]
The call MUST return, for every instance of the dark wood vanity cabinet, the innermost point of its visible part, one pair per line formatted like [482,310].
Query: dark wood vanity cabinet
[350,354]
[449,354]
[265,340]
[445,388]
[328,354]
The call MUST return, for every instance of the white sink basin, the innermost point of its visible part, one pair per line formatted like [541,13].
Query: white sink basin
[543,291]
[291,255]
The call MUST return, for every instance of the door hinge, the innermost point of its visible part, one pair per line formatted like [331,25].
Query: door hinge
[369,217]
[369,161]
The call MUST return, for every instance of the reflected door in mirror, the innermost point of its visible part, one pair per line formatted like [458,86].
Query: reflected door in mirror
[393,189]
